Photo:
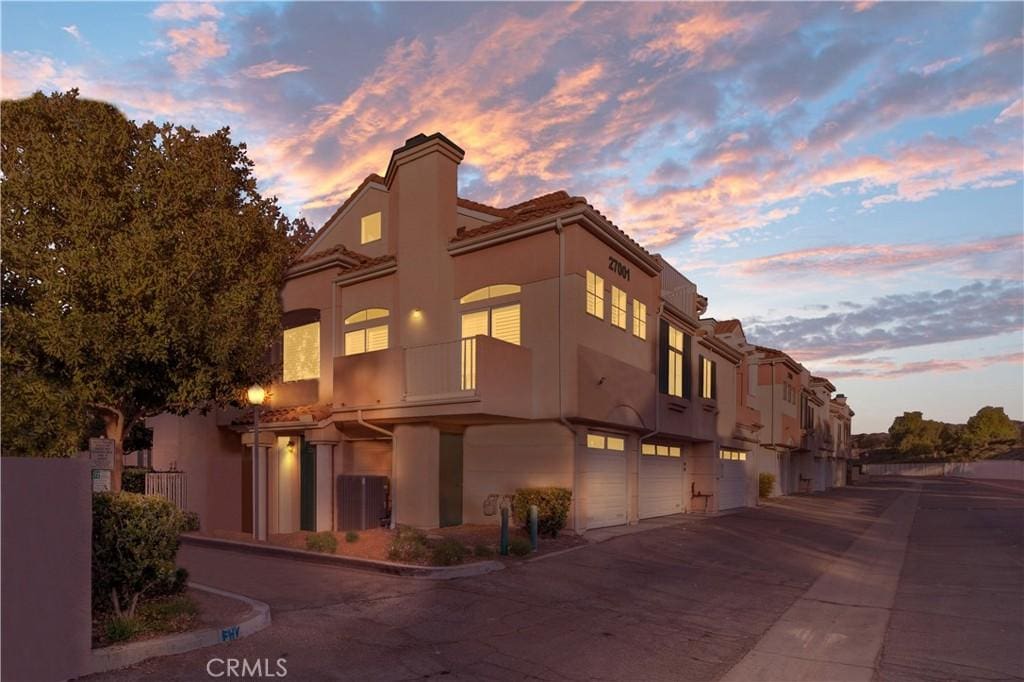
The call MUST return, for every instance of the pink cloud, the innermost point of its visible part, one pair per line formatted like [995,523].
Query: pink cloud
[194,46]
[272,69]
[889,370]
[186,11]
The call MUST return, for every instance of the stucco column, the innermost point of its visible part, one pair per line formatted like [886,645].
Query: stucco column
[267,440]
[415,479]
[324,485]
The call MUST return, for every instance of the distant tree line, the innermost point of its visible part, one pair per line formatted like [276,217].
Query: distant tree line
[914,436]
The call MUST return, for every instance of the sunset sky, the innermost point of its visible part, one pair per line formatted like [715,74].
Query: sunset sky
[844,178]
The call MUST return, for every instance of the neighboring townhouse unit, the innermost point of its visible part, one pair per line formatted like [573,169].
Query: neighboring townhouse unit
[446,353]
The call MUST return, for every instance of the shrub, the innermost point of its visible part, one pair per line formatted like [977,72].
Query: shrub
[483,551]
[408,544]
[133,479]
[552,508]
[174,583]
[134,543]
[323,541]
[122,628]
[765,484]
[191,522]
[519,546]
[351,536]
[448,552]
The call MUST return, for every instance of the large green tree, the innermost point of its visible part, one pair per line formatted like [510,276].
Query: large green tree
[141,271]
[912,434]
[989,425]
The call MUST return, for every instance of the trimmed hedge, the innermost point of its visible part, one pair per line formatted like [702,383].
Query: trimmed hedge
[133,479]
[552,507]
[134,545]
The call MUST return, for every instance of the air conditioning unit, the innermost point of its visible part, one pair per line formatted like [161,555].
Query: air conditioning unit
[362,502]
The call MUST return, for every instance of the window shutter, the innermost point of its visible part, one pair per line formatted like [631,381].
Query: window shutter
[714,380]
[377,338]
[505,324]
[662,356]
[687,368]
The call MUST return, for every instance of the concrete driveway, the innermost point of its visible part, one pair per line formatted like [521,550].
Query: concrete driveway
[701,600]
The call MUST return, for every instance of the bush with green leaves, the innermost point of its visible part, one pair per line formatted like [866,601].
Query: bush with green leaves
[518,546]
[765,484]
[351,536]
[133,480]
[448,552]
[191,524]
[122,628]
[552,508]
[483,551]
[134,544]
[324,542]
[409,544]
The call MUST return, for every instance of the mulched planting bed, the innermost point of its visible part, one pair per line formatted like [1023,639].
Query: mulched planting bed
[481,541]
[190,610]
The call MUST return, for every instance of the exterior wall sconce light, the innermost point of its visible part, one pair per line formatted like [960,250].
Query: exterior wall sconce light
[417,313]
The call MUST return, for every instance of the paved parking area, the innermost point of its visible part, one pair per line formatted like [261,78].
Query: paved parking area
[686,602]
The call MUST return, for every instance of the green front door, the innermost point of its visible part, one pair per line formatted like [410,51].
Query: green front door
[307,487]
[450,480]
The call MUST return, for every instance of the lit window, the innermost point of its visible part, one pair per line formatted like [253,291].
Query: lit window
[301,351]
[639,319]
[734,455]
[615,443]
[595,295]
[618,308]
[492,291]
[366,339]
[647,449]
[707,378]
[502,323]
[675,362]
[675,452]
[370,231]
[662,450]
[595,441]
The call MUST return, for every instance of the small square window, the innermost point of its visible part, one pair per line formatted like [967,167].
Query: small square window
[370,228]
[617,444]
[595,441]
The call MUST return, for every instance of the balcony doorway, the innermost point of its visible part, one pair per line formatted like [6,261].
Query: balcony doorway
[450,480]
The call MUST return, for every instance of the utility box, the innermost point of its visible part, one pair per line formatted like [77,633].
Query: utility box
[362,502]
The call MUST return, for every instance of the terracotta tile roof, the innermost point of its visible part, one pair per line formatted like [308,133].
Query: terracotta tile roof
[727,326]
[538,207]
[484,208]
[287,414]
[361,260]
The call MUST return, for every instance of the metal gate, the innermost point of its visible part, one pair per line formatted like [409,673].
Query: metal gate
[171,485]
[362,502]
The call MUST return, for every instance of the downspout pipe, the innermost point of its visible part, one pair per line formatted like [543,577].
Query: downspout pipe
[561,379]
[394,464]
[657,395]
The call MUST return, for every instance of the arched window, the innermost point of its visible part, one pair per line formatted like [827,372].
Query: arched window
[364,331]
[488,311]
[493,291]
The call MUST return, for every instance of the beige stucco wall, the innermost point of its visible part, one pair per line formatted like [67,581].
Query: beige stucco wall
[46,619]
[498,459]
[416,475]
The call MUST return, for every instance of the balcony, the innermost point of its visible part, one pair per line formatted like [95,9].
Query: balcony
[475,375]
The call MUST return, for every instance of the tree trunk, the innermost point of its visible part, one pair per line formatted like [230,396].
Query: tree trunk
[114,419]
[117,602]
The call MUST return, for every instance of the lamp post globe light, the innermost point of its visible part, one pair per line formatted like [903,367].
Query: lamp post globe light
[255,396]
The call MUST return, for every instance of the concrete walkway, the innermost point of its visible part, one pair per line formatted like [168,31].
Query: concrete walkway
[836,629]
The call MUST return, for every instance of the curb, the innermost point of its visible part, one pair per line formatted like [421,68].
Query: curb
[386,567]
[124,655]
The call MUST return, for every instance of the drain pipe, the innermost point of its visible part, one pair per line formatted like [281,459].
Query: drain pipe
[394,465]
[561,405]
[657,399]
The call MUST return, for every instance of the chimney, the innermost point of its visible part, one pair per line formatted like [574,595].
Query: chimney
[840,398]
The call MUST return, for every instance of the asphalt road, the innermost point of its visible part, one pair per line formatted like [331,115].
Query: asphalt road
[686,602]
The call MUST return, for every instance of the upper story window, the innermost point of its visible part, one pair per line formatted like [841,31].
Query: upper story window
[501,321]
[301,352]
[370,228]
[618,308]
[674,367]
[364,333]
[595,295]
[708,383]
[639,319]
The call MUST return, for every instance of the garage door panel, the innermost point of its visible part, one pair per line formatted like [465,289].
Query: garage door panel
[604,483]
[732,491]
[661,486]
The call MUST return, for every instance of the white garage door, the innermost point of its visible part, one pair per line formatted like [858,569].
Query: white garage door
[604,485]
[732,489]
[661,485]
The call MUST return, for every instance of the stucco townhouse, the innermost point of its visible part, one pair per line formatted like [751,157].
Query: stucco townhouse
[438,353]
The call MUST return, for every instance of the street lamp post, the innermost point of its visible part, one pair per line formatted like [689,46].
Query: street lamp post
[255,394]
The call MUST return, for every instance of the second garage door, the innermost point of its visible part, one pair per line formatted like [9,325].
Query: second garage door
[661,480]
[604,481]
[732,489]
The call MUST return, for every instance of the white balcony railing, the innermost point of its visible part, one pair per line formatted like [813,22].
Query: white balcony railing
[441,369]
